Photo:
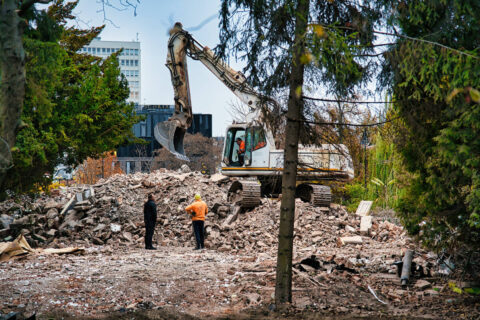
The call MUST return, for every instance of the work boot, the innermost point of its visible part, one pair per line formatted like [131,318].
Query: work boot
[151,248]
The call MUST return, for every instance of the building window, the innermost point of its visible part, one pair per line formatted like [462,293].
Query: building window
[89,49]
[136,63]
[104,50]
[136,73]
[136,52]
[128,63]
[123,62]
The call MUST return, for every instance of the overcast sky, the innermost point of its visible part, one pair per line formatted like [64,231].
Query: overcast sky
[151,25]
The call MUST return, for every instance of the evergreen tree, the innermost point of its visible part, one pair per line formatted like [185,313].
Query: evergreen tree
[288,44]
[434,80]
[75,105]
[12,75]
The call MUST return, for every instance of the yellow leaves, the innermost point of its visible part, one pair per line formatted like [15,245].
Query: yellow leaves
[306,58]
[453,94]
[473,94]
[318,30]
[298,91]
[454,287]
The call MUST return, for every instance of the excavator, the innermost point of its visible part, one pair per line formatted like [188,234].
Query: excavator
[250,151]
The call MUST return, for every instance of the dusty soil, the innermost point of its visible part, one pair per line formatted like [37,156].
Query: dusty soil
[177,282]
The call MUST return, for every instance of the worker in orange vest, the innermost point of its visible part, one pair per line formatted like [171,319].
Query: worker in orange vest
[198,210]
[241,150]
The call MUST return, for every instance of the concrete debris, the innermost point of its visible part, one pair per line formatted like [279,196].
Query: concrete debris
[363,208]
[349,240]
[115,227]
[240,253]
[185,169]
[422,284]
[219,178]
[111,213]
[350,229]
[365,224]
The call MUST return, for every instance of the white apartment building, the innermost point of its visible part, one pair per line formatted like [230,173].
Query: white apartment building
[129,59]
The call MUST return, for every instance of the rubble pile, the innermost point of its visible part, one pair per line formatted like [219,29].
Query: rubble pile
[111,213]
[108,212]
[343,262]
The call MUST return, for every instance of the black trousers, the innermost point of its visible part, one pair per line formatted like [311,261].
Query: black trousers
[198,232]
[149,228]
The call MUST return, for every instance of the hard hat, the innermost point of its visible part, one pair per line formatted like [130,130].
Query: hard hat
[197,196]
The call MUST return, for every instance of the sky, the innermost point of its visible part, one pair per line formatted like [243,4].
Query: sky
[150,26]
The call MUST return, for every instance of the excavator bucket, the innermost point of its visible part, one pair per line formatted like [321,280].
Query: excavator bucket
[170,136]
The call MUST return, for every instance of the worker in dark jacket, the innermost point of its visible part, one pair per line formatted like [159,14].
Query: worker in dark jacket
[150,218]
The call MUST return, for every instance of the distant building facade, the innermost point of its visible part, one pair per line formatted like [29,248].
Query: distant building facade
[138,157]
[129,60]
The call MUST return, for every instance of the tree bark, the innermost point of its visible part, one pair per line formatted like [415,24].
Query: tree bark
[12,76]
[283,288]
[12,80]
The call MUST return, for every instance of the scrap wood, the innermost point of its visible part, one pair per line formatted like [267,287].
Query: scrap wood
[61,251]
[315,282]
[17,247]
[20,246]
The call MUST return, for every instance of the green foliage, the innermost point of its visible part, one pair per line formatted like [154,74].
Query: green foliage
[436,89]
[262,33]
[383,186]
[75,105]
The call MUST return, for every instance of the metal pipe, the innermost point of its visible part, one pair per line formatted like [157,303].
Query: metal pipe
[407,266]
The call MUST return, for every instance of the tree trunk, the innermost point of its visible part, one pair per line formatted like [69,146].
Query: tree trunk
[283,288]
[12,79]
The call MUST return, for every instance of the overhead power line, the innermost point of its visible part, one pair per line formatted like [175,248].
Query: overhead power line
[344,124]
[347,101]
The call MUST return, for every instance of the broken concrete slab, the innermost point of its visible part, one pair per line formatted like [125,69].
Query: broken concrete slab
[422,284]
[115,227]
[232,217]
[363,208]
[5,221]
[349,240]
[219,178]
[366,225]
[50,204]
[350,229]
[52,213]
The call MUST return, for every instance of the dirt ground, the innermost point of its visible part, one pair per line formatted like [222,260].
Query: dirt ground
[234,278]
[180,283]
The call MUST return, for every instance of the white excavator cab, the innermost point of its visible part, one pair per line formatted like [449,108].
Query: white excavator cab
[256,144]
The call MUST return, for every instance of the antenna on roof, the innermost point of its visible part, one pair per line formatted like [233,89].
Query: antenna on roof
[137,36]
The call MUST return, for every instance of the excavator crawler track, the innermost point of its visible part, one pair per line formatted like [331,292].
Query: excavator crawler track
[246,194]
[321,196]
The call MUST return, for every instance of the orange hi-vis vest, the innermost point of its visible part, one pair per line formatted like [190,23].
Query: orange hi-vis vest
[242,147]
[200,209]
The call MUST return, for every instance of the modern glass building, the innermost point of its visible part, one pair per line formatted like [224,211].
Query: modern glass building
[137,157]
[129,59]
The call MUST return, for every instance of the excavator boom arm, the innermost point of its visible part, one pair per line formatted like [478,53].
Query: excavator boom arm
[181,44]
